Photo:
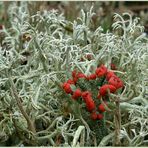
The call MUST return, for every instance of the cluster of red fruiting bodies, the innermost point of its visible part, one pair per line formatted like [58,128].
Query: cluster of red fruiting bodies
[113,83]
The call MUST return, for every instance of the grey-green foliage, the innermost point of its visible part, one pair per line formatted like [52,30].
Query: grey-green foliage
[53,54]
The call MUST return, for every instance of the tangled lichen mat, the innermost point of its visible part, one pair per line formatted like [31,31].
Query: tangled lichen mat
[71,83]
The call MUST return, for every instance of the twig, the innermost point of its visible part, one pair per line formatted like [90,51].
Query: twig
[117,124]
[20,106]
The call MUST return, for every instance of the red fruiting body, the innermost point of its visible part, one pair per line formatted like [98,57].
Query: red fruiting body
[103,90]
[64,84]
[74,74]
[94,116]
[86,94]
[70,81]
[67,88]
[99,116]
[101,108]
[81,75]
[101,71]
[92,77]
[77,94]
[90,104]
[113,66]
[109,75]
[75,80]
[115,81]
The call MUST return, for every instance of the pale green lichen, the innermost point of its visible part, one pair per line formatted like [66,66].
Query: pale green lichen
[53,52]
